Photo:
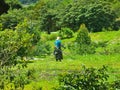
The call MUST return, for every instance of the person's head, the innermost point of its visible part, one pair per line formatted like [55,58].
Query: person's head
[58,38]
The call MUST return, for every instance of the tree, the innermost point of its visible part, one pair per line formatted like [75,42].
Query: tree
[95,15]
[14,4]
[48,19]
[26,26]
[10,20]
[66,33]
[99,16]
[83,36]
[10,42]
[82,44]
[3,7]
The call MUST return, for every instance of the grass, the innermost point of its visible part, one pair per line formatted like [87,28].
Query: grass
[47,70]
[105,36]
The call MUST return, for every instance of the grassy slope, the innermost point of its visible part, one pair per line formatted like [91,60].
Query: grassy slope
[47,69]
[106,36]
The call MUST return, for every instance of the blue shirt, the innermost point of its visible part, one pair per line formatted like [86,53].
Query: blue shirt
[58,43]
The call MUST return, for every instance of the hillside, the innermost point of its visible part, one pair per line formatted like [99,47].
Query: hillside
[106,36]
[31,56]
[47,69]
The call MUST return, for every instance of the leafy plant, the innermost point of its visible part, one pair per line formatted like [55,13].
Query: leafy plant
[66,33]
[86,79]
[42,49]
[15,79]
[82,44]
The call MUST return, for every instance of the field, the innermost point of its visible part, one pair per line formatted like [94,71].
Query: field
[47,69]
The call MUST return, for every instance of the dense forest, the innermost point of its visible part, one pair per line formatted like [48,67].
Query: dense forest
[27,28]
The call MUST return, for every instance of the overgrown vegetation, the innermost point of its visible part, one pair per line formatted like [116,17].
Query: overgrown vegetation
[87,79]
[27,31]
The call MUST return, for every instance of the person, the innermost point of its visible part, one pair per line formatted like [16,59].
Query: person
[57,50]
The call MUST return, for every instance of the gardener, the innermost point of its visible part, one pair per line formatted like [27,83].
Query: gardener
[58,51]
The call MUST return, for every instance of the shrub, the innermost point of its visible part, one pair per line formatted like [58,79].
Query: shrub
[42,49]
[10,44]
[111,49]
[116,84]
[86,79]
[82,44]
[53,36]
[46,37]
[66,33]
[116,25]
[82,36]
[14,79]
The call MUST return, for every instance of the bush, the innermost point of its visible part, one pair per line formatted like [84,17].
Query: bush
[45,37]
[53,36]
[15,79]
[66,33]
[116,84]
[82,36]
[81,50]
[42,49]
[111,49]
[116,25]
[86,79]
[11,43]
[82,44]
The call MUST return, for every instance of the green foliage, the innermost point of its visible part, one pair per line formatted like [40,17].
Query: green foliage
[3,7]
[10,20]
[52,36]
[83,36]
[11,43]
[8,46]
[116,25]
[47,19]
[115,4]
[14,4]
[116,84]
[104,18]
[66,33]
[100,44]
[42,49]
[109,49]
[31,28]
[96,15]
[82,44]
[15,79]
[87,79]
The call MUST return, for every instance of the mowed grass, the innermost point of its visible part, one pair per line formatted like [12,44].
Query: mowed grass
[48,70]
